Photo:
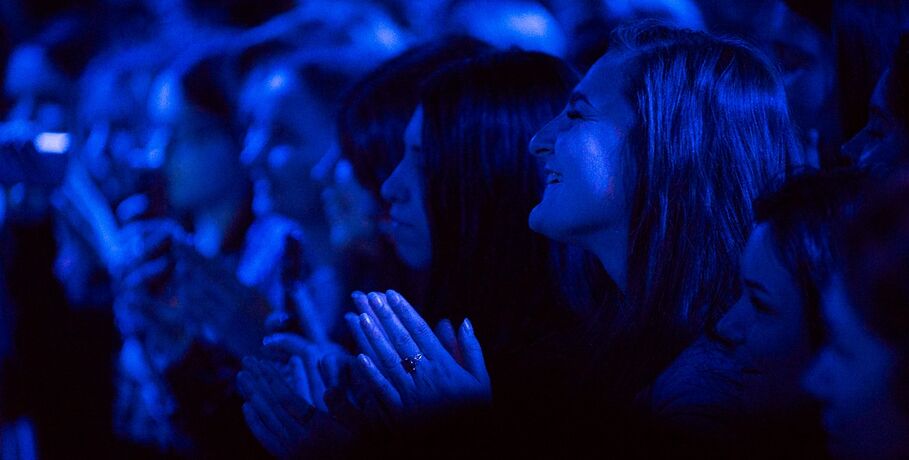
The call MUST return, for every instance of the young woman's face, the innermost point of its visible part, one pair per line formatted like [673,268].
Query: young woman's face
[768,328]
[199,158]
[583,152]
[403,190]
[852,377]
[883,141]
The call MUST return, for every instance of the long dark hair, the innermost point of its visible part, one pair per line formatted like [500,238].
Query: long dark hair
[370,123]
[712,130]
[480,185]
[375,111]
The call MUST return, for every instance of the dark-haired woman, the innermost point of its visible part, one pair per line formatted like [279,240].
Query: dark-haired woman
[653,166]
[370,125]
[459,199]
[775,328]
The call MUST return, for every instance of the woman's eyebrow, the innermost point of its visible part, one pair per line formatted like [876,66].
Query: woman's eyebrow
[755,285]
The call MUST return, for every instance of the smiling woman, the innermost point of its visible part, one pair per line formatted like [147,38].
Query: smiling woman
[653,166]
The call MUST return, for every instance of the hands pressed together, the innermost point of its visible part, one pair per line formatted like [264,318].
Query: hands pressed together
[308,394]
[410,368]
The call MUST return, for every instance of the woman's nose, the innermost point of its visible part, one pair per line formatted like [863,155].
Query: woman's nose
[731,328]
[541,143]
[392,191]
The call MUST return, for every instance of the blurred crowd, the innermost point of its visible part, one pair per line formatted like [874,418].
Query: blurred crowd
[677,226]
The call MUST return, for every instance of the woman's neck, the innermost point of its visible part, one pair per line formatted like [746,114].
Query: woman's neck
[611,247]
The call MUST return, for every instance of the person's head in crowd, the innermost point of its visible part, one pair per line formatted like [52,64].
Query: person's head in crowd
[113,129]
[865,36]
[288,128]
[795,36]
[797,40]
[522,23]
[884,142]
[370,135]
[460,194]
[655,160]
[195,141]
[40,73]
[775,328]
[862,374]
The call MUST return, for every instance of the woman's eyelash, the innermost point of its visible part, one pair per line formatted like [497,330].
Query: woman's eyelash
[573,115]
[760,306]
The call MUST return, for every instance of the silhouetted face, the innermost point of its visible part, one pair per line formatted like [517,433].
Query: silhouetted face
[583,153]
[853,379]
[287,134]
[768,329]
[883,141]
[200,158]
[403,190]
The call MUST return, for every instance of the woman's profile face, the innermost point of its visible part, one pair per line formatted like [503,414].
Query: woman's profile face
[403,190]
[199,157]
[884,140]
[852,378]
[582,151]
[768,328]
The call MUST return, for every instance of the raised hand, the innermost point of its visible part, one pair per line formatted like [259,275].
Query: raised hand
[408,367]
[281,419]
[314,366]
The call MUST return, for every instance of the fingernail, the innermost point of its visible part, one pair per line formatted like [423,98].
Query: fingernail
[356,295]
[467,326]
[364,360]
[364,320]
[375,299]
[393,296]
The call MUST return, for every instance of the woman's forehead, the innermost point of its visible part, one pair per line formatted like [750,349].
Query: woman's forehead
[606,79]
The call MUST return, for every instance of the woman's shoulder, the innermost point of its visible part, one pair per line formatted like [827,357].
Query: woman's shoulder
[700,392]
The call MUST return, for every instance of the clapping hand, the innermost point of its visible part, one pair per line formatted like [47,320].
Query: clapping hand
[279,414]
[410,368]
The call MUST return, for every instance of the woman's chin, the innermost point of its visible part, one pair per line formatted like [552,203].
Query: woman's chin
[541,223]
